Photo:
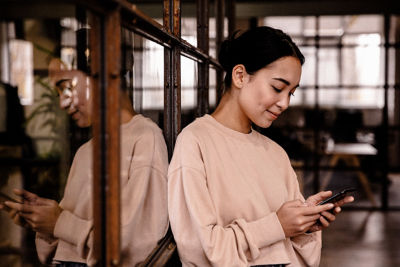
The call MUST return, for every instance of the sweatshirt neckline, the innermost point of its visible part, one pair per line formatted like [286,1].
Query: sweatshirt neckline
[132,120]
[236,134]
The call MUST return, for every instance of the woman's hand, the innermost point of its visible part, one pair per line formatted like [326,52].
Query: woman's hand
[41,214]
[296,217]
[327,216]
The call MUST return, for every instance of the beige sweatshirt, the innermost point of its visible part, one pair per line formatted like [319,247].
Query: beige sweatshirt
[224,188]
[144,217]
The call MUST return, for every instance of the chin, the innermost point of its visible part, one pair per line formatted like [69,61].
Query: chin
[263,124]
[82,124]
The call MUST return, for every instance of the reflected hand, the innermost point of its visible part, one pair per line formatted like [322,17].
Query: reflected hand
[40,213]
[14,216]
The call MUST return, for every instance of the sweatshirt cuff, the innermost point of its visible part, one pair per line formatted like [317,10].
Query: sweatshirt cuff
[267,230]
[71,228]
[48,238]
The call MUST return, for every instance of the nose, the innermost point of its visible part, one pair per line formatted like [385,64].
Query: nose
[65,99]
[283,102]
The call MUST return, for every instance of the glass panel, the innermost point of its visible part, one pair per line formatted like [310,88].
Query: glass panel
[290,25]
[363,24]
[148,79]
[393,106]
[394,34]
[363,65]
[213,35]
[189,76]
[212,93]
[188,83]
[330,26]
[394,56]
[40,142]
[351,97]
[328,68]
[144,157]
[189,30]
[363,40]
[308,71]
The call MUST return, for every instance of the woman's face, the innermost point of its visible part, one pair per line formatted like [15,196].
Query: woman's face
[75,95]
[266,94]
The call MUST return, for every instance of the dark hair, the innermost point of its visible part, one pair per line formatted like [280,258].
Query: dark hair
[255,49]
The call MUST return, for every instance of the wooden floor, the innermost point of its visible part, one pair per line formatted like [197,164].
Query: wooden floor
[362,239]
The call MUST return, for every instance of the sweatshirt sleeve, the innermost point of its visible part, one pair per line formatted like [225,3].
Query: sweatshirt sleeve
[306,246]
[192,213]
[45,247]
[76,231]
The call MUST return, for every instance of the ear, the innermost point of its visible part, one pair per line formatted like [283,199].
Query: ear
[239,74]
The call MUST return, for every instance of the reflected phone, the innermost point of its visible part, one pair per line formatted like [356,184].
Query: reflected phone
[339,196]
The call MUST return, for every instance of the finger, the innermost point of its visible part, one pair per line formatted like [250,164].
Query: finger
[315,227]
[324,222]
[44,201]
[322,195]
[19,207]
[328,216]
[12,213]
[346,200]
[337,210]
[317,209]
[311,218]
[27,216]
[307,226]
[26,194]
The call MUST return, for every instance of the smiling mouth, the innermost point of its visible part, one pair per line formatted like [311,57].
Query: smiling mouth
[275,115]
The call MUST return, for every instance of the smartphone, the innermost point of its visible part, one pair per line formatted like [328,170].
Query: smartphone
[339,196]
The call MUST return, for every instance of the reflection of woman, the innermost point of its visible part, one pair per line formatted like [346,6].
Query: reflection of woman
[233,196]
[64,231]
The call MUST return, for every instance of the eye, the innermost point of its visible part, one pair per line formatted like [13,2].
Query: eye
[276,89]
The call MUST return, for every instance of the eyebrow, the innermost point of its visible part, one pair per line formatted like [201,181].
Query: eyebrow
[284,81]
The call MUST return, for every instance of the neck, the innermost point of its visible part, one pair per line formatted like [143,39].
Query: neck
[229,114]
[127,111]
[126,115]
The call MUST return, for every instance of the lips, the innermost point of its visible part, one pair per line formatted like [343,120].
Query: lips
[274,114]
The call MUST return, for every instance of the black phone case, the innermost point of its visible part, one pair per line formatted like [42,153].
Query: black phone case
[339,196]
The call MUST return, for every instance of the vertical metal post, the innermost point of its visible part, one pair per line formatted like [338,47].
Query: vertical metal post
[172,76]
[316,113]
[105,51]
[219,24]
[385,127]
[97,74]
[203,40]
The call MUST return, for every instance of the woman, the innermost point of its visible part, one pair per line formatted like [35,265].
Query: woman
[65,231]
[233,197]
